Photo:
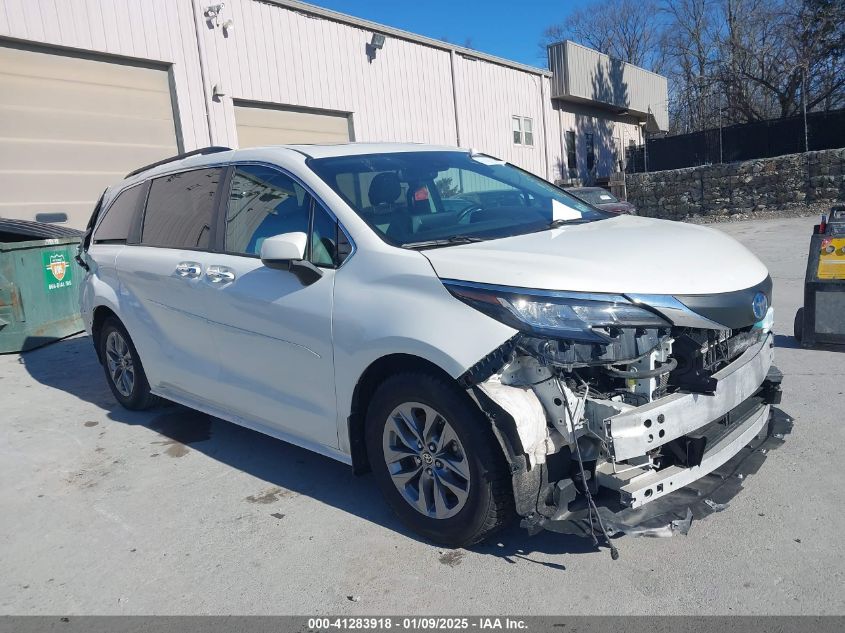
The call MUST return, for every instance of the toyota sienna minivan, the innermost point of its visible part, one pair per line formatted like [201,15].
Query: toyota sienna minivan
[486,344]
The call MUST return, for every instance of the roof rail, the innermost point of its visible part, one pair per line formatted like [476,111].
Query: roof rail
[197,152]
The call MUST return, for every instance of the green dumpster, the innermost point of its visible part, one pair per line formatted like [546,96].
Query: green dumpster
[39,291]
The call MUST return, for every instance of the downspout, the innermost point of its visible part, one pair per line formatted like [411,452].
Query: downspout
[545,127]
[564,163]
[455,98]
[206,95]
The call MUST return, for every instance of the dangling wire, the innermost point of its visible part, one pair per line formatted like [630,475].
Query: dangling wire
[591,505]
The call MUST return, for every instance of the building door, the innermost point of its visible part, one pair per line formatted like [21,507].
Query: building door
[270,125]
[71,126]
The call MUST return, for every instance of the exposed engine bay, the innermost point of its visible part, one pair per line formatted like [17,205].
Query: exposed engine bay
[600,435]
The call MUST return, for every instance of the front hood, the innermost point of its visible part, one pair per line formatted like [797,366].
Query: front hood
[625,255]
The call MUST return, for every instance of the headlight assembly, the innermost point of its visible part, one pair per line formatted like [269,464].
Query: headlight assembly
[562,315]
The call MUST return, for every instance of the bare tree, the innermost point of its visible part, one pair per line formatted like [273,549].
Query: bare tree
[728,61]
[781,53]
[691,52]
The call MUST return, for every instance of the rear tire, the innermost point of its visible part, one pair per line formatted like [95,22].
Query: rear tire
[124,371]
[436,461]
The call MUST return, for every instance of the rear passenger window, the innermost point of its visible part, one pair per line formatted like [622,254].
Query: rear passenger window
[117,223]
[180,209]
[262,203]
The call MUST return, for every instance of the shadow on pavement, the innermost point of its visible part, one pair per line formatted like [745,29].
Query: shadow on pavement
[71,366]
[786,342]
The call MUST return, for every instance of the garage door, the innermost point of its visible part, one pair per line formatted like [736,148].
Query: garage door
[280,126]
[69,127]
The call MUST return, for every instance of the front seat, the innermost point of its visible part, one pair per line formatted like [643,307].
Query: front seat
[384,190]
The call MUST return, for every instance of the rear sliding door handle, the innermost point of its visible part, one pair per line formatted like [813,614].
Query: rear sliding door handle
[191,270]
[220,274]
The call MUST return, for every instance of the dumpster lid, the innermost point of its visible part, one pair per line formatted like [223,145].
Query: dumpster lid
[12,230]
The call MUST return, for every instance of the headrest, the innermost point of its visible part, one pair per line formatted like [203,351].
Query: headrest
[384,188]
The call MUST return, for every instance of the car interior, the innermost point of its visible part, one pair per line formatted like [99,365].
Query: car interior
[409,207]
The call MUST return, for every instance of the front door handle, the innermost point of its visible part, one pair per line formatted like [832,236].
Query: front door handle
[189,269]
[220,274]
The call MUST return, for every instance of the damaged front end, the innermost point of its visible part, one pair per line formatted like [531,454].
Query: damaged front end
[624,414]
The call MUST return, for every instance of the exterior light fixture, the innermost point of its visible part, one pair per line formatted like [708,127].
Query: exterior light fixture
[376,43]
[212,13]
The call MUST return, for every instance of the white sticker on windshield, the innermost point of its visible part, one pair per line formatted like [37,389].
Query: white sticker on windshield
[562,212]
[604,196]
[484,159]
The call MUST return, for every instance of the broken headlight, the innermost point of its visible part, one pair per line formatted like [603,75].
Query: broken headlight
[562,315]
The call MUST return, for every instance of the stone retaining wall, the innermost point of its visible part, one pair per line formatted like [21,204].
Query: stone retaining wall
[766,184]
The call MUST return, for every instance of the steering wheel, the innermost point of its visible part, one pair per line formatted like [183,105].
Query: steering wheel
[468,211]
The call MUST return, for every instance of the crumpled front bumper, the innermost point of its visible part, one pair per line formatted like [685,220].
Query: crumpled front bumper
[744,391]
[674,512]
[640,501]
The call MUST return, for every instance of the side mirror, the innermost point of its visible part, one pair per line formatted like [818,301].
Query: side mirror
[278,250]
[287,252]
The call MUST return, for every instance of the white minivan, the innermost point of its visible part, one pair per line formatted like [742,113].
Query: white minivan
[483,342]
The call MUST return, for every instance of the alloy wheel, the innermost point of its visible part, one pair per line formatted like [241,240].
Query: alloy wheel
[120,363]
[426,460]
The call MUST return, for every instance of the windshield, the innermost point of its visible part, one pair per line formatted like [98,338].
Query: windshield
[427,199]
[595,196]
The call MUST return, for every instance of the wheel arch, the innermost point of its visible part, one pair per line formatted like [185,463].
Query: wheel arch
[379,370]
[101,313]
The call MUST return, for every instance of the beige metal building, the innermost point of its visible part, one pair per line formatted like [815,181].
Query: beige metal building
[90,89]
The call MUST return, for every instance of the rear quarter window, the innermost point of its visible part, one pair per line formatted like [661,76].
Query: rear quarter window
[180,209]
[117,222]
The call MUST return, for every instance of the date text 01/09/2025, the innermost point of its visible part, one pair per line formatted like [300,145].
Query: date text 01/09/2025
[416,623]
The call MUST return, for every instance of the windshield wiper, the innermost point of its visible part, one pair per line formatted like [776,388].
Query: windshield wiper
[448,241]
[564,221]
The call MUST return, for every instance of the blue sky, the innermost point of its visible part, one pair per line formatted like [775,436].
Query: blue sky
[499,27]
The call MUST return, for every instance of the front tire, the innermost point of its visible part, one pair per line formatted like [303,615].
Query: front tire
[436,460]
[124,371]
[798,325]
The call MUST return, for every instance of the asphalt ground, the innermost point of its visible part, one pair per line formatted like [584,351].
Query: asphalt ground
[106,511]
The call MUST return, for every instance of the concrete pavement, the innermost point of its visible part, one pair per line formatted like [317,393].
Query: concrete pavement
[105,511]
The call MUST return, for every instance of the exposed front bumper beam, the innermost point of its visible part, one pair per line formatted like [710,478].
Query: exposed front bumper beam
[639,486]
[634,432]
[672,513]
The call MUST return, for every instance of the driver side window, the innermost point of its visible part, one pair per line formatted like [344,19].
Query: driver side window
[262,203]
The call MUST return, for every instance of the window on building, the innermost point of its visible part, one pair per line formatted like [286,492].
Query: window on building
[591,150]
[263,202]
[527,131]
[523,130]
[571,156]
[180,209]
[117,223]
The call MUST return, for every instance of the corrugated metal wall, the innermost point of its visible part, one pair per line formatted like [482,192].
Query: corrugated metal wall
[289,56]
[276,55]
[610,135]
[489,96]
[587,74]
